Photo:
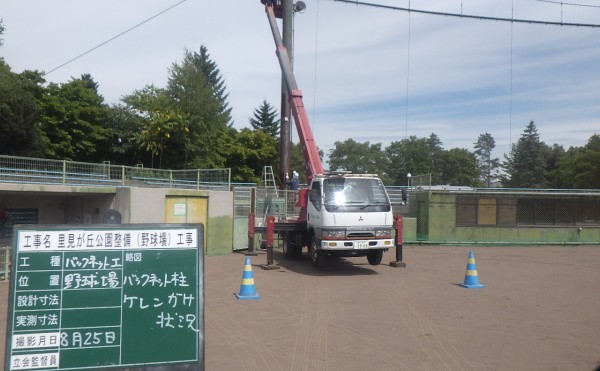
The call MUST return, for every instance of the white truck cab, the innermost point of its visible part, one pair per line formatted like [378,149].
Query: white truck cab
[349,215]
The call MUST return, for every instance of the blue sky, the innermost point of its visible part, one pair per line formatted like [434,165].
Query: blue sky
[366,73]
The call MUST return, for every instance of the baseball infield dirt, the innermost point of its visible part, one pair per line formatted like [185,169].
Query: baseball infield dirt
[539,310]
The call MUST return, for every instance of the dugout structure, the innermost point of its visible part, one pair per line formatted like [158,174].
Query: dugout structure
[505,216]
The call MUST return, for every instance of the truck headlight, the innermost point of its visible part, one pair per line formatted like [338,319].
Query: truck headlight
[333,233]
[383,233]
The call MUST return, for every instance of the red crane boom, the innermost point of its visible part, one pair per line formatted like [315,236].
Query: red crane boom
[307,140]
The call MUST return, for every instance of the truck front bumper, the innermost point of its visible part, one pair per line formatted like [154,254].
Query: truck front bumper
[357,244]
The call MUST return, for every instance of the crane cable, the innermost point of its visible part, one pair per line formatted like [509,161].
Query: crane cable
[407,78]
[510,109]
[314,122]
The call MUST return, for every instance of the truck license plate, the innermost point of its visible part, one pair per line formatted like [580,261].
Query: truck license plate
[361,245]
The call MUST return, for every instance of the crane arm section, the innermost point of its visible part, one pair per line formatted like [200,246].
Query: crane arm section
[307,140]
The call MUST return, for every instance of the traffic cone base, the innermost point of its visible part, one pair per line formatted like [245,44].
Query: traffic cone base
[247,289]
[471,278]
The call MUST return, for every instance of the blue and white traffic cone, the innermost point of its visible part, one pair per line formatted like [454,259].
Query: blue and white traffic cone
[247,289]
[471,278]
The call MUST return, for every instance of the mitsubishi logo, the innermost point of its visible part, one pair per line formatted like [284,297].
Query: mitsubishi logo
[360,219]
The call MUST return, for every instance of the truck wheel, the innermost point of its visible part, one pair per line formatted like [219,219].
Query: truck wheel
[317,256]
[290,250]
[374,257]
[298,252]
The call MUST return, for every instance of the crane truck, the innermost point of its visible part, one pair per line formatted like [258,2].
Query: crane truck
[341,214]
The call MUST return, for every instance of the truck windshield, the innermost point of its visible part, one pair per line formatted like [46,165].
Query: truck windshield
[355,194]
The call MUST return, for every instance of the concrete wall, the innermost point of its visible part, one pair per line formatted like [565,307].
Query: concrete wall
[147,205]
[87,205]
[58,204]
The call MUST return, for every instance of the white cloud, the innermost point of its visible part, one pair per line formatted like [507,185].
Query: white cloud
[353,63]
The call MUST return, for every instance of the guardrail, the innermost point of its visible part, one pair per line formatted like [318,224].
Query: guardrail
[26,170]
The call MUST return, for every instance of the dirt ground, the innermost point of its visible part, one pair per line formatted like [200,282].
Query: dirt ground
[539,310]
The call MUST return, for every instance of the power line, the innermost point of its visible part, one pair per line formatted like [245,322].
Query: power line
[571,4]
[114,37]
[510,110]
[480,17]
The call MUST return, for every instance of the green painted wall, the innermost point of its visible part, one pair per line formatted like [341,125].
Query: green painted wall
[219,235]
[442,216]
[409,229]
[528,234]
[437,223]
[240,233]
[421,211]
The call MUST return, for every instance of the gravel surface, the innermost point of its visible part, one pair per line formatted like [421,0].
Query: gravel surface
[539,310]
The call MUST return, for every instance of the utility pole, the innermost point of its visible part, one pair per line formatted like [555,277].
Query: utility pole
[286,116]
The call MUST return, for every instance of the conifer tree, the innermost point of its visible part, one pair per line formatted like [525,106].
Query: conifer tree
[198,95]
[434,145]
[488,166]
[265,118]
[525,165]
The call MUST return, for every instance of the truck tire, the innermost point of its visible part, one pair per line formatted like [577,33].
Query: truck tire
[374,257]
[290,249]
[317,256]
[298,252]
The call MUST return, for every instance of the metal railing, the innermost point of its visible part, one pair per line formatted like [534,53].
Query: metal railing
[4,262]
[282,204]
[422,181]
[43,171]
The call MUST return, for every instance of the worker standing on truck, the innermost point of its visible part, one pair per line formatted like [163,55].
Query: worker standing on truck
[294,183]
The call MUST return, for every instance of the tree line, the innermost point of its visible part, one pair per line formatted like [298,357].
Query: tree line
[530,164]
[188,124]
[185,125]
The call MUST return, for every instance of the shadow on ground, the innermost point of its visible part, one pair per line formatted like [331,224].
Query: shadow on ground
[334,266]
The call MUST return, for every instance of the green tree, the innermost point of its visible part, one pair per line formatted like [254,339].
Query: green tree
[552,156]
[360,158]
[1,32]
[89,82]
[73,118]
[249,151]
[198,93]
[19,133]
[163,129]
[459,168]
[265,118]
[525,166]
[488,166]
[436,151]
[579,168]
[123,147]
[215,81]
[408,156]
